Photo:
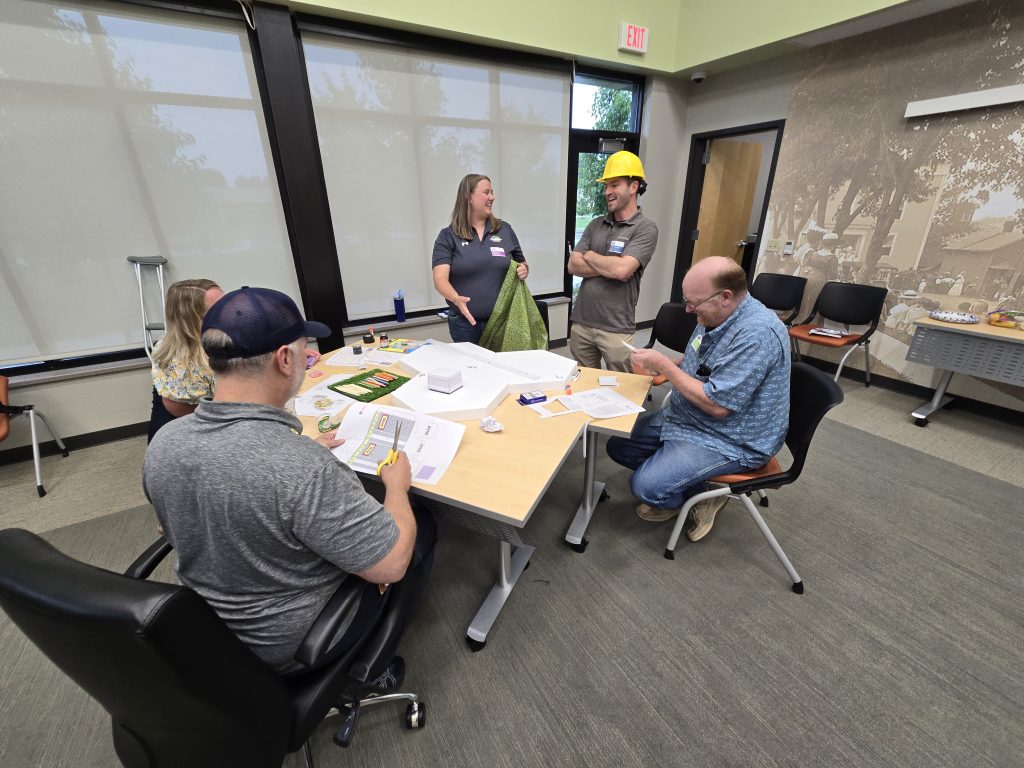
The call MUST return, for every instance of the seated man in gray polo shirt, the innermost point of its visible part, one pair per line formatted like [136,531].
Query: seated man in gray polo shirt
[729,408]
[611,257]
[267,523]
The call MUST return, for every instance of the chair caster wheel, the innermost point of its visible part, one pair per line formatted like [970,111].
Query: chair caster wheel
[764,502]
[670,555]
[920,422]
[603,496]
[581,547]
[475,645]
[415,715]
[41,491]
[65,453]
[343,736]
[799,587]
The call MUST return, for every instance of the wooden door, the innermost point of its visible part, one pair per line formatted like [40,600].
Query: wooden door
[730,182]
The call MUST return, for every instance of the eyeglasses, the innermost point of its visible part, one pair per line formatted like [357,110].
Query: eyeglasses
[692,305]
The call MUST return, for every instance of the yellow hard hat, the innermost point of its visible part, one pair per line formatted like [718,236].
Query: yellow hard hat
[623,164]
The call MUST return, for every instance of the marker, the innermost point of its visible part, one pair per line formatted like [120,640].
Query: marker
[628,345]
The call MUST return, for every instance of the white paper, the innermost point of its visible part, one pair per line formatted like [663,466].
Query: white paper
[600,403]
[608,381]
[369,433]
[344,358]
[319,400]
[547,413]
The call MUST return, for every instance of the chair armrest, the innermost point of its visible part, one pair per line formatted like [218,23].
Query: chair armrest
[150,559]
[338,613]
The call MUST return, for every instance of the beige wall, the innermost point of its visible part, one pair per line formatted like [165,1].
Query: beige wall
[80,406]
[664,156]
[675,110]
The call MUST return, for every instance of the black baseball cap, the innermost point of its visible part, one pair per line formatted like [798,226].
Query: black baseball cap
[258,320]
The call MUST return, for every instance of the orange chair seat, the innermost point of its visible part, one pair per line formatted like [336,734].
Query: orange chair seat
[802,333]
[4,418]
[771,468]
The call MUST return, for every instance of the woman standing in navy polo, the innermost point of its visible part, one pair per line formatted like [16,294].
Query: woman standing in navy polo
[471,257]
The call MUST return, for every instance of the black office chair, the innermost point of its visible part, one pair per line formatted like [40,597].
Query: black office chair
[781,293]
[673,327]
[8,411]
[849,304]
[811,395]
[180,687]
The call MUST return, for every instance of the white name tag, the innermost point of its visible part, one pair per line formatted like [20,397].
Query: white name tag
[499,252]
[616,246]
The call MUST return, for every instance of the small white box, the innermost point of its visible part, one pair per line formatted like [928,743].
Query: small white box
[445,380]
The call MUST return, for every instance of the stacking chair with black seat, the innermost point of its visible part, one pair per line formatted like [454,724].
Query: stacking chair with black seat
[780,293]
[180,687]
[672,328]
[811,395]
[8,411]
[849,304]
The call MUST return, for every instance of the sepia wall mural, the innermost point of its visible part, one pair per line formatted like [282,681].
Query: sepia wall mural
[931,208]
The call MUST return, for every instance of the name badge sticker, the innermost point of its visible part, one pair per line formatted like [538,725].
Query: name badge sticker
[696,343]
[499,252]
[615,247]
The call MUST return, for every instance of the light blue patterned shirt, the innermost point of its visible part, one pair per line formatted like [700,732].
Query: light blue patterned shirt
[744,364]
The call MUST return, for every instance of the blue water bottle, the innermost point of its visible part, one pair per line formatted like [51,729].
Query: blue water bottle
[399,306]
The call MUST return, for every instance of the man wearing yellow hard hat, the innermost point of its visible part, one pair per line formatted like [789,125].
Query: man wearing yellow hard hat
[611,257]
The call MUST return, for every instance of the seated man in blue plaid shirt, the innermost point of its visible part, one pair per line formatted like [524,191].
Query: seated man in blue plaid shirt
[729,409]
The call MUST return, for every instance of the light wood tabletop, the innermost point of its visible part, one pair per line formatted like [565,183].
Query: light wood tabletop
[974,329]
[504,475]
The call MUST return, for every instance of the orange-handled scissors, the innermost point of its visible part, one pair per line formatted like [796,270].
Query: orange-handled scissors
[392,456]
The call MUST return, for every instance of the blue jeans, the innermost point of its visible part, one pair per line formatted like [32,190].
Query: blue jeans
[460,329]
[666,473]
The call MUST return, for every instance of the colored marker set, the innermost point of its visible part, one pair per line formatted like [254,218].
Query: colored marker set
[369,385]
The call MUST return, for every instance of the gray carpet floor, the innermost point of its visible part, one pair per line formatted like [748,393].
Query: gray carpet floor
[906,649]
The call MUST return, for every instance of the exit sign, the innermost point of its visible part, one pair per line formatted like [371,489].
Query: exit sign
[633,38]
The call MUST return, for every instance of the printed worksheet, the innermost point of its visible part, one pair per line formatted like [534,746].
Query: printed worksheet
[599,403]
[345,358]
[369,433]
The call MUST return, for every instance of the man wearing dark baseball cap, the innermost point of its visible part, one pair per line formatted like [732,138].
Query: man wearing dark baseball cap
[267,523]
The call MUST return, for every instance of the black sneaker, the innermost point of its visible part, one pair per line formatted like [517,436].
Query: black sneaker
[390,679]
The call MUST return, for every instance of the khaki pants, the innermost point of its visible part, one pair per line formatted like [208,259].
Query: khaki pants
[589,345]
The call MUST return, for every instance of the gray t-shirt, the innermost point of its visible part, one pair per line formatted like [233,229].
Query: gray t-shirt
[478,266]
[603,303]
[265,523]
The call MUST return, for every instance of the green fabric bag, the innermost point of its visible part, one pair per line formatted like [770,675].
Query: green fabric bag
[515,323]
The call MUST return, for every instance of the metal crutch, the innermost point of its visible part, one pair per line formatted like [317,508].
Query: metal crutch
[149,326]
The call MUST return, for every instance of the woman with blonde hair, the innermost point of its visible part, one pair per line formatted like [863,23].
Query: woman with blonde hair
[471,257]
[181,372]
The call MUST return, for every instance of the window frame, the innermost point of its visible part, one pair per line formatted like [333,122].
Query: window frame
[587,140]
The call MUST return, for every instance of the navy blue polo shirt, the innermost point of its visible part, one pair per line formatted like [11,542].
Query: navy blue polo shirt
[478,265]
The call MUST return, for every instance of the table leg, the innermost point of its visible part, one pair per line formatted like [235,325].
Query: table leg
[939,399]
[513,562]
[592,494]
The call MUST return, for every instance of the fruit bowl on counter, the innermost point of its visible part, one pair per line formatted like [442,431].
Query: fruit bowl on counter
[1006,318]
